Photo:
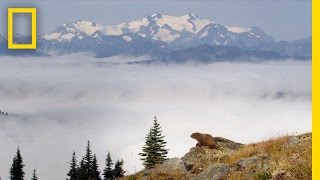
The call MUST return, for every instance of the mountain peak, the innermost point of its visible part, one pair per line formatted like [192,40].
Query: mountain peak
[193,15]
[71,29]
[156,15]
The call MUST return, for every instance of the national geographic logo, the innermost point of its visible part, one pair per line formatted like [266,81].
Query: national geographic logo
[11,43]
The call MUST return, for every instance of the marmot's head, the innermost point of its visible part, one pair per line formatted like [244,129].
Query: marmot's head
[195,135]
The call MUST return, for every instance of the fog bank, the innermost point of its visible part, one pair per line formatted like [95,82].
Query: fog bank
[63,102]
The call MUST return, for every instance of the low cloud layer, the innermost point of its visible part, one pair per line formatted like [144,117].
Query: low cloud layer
[63,102]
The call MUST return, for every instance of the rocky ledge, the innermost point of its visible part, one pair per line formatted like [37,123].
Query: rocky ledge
[281,158]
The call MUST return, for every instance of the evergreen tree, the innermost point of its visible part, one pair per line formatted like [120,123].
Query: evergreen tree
[81,171]
[86,163]
[34,175]
[95,174]
[154,151]
[73,172]
[16,170]
[148,155]
[118,169]
[108,172]
[89,169]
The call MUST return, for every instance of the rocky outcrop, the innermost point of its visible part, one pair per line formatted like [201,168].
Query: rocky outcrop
[201,157]
[287,157]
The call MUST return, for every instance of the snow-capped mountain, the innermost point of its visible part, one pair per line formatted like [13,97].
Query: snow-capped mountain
[154,35]
[77,29]
[177,31]
[165,28]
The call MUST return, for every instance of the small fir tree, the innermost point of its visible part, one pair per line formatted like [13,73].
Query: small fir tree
[95,173]
[147,152]
[81,171]
[89,168]
[86,164]
[34,175]
[108,172]
[154,151]
[73,172]
[16,170]
[118,171]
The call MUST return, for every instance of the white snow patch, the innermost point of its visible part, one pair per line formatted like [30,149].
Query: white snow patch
[205,34]
[127,38]
[68,36]
[52,36]
[71,30]
[216,42]
[221,35]
[87,27]
[180,23]
[143,35]
[238,30]
[166,35]
[113,30]
[135,25]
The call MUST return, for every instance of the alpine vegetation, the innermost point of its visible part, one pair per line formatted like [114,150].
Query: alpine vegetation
[108,173]
[34,175]
[16,170]
[154,151]
[88,168]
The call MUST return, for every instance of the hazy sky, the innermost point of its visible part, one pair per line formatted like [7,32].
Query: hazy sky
[284,19]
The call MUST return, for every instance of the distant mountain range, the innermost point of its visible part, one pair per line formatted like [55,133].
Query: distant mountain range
[162,37]
[210,54]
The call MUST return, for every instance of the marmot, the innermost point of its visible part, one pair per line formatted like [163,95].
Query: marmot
[205,140]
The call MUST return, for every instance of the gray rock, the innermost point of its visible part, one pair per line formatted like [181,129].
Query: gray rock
[254,164]
[213,172]
[173,164]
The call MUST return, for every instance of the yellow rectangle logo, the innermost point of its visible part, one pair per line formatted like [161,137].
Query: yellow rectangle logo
[11,44]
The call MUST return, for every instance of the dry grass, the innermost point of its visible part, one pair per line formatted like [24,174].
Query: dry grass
[156,174]
[165,175]
[265,147]
[287,161]
[135,176]
[295,160]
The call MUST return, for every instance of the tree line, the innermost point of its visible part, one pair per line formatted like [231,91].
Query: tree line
[153,152]
[88,168]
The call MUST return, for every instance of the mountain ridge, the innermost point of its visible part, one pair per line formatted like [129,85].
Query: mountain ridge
[156,36]
[211,54]
[162,27]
